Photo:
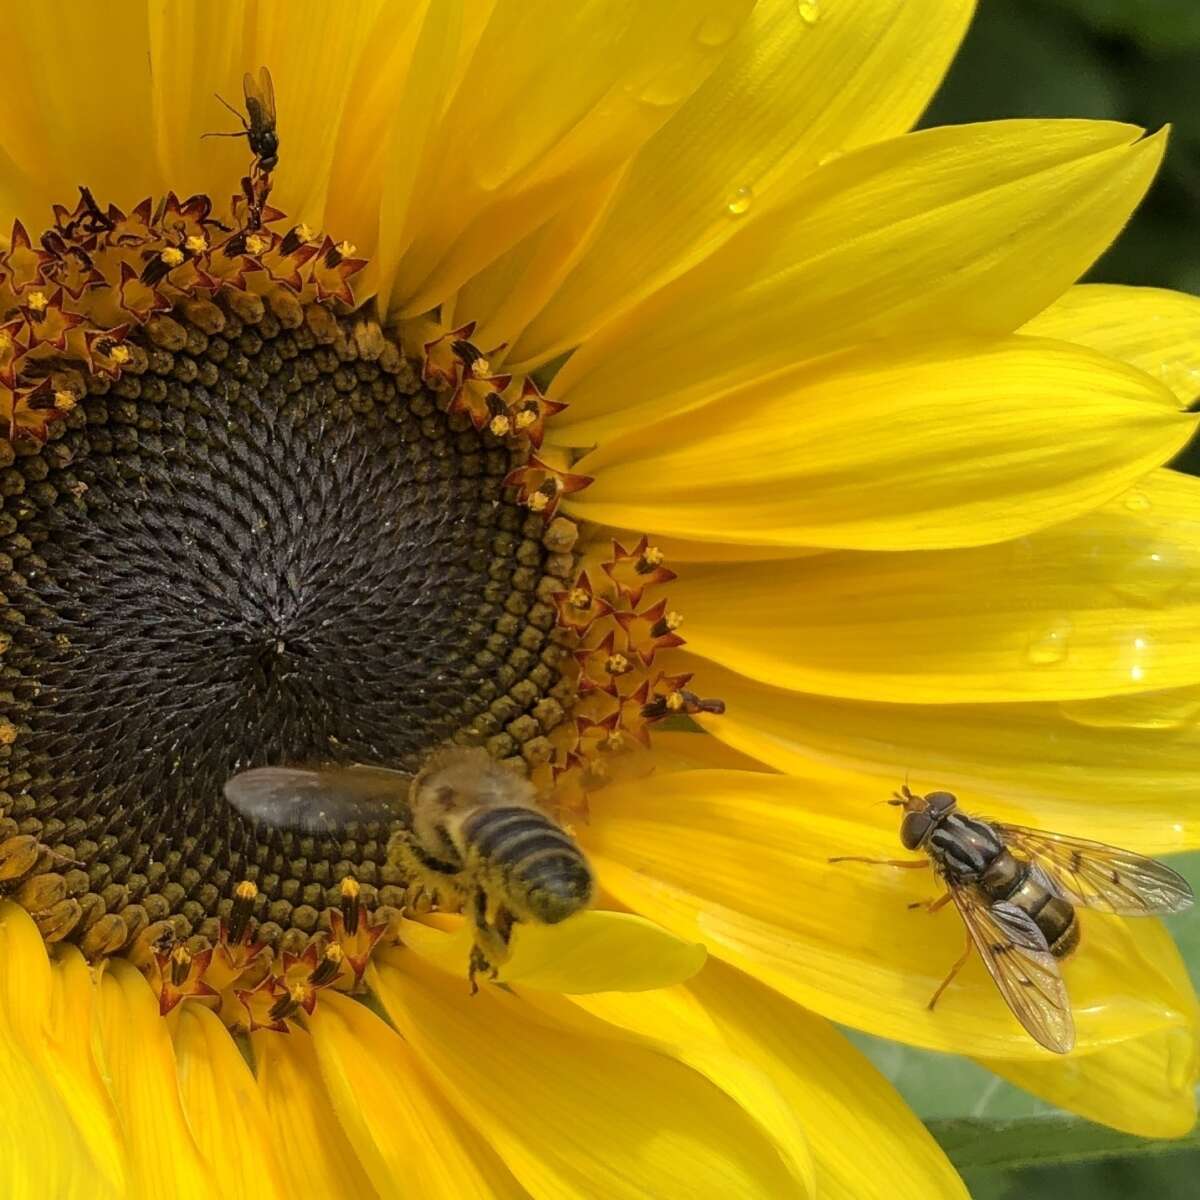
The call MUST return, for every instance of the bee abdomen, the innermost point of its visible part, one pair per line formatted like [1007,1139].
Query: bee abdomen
[504,835]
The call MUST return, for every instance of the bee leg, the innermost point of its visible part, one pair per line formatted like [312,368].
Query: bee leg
[932,905]
[477,963]
[954,970]
[882,862]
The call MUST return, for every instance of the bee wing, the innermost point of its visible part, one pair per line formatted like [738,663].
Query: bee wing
[1015,952]
[1098,876]
[260,97]
[322,800]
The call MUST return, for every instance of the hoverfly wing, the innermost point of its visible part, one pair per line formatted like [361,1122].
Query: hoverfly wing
[1101,877]
[321,800]
[1017,957]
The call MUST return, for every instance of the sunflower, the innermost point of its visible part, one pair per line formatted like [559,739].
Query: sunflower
[620,388]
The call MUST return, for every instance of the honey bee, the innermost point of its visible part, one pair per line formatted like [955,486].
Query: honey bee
[1016,890]
[258,125]
[464,826]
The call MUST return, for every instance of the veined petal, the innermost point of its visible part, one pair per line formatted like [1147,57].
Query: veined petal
[596,951]
[599,1115]
[57,70]
[785,96]
[1145,1086]
[949,445]
[405,1134]
[42,1150]
[161,1157]
[928,234]
[572,91]
[740,860]
[1016,761]
[223,1107]
[1155,330]
[316,1157]
[1103,605]
[72,1064]
[838,1096]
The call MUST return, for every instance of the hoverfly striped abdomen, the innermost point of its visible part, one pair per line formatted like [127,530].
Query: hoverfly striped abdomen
[1008,879]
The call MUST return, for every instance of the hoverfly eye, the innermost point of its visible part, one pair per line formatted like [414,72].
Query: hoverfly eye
[914,829]
[941,802]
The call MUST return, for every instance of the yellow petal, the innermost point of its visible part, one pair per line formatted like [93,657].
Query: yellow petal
[1016,761]
[931,233]
[75,108]
[1145,1086]
[839,1097]
[1106,604]
[224,1110]
[785,96]
[572,91]
[949,445]
[73,1066]
[315,1155]
[740,860]
[407,1137]
[595,951]
[598,1115]
[42,1150]
[1155,330]
[161,1156]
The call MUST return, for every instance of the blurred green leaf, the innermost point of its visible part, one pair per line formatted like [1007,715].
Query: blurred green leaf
[1042,1141]
[1157,25]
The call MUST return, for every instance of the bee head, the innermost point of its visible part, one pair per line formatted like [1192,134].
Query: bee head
[921,814]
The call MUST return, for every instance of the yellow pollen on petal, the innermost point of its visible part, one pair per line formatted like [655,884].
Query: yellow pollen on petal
[172,256]
[579,598]
[120,354]
[676,702]
[257,244]
[481,368]
[539,501]
[652,556]
[673,620]
[500,425]
[8,733]
[305,234]
[64,401]
[616,664]
[526,417]
[346,249]
[196,244]
[37,301]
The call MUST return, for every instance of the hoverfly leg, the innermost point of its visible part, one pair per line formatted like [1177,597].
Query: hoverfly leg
[881,862]
[954,970]
[932,905]
[478,962]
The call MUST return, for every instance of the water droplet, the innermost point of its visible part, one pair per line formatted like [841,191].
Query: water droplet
[739,200]
[1050,645]
[809,10]
[1137,502]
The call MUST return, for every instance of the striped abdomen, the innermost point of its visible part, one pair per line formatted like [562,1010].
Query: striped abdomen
[1009,879]
[538,868]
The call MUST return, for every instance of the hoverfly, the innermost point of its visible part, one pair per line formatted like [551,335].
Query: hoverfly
[258,125]
[1016,890]
[464,826]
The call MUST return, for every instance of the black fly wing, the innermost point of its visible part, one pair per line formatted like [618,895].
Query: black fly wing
[1098,876]
[1015,952]
[322,800]
[260,98]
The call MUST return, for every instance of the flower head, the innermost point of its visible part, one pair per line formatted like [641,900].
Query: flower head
[620,391]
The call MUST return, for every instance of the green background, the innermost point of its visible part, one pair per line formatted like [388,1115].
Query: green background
[1128,60]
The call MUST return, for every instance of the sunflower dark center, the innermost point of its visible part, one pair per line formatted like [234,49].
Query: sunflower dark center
[257,547]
